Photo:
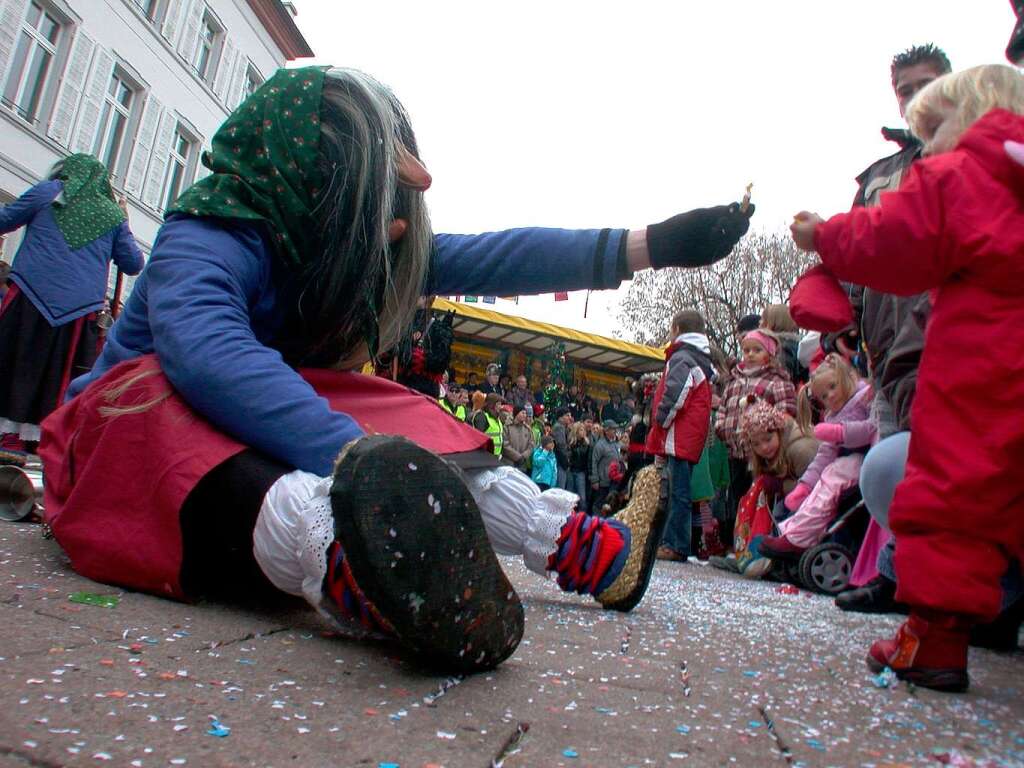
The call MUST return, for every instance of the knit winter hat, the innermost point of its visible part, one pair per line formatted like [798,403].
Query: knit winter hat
[761,418]
[765,338]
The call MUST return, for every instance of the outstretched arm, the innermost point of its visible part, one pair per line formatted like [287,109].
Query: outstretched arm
[525,261]
[21,211]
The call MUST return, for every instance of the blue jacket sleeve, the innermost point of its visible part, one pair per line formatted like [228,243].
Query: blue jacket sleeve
[202,282]
[127,255]
[525,261]
[20,212]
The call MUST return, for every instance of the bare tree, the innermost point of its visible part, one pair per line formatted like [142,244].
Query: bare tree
[760,271]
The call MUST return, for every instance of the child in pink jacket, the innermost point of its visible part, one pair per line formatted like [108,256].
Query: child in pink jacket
[844,437]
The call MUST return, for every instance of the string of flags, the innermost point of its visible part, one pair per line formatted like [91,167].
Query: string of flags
[472,299]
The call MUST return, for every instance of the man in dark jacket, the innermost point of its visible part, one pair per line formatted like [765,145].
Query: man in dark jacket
[560,432]
[606,451]
[615,411]
[891,328]
[575,402]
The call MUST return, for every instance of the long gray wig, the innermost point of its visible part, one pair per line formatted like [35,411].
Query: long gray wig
[360,294]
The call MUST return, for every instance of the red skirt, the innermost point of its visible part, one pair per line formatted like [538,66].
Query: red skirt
[116,481]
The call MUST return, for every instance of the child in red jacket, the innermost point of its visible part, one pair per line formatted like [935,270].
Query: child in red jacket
[680,418]
[955,227]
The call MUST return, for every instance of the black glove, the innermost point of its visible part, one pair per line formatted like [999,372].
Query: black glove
[697,238]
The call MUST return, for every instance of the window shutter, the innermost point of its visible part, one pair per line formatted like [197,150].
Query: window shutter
[224,69]
[71,84]
[12,13]
[237,85]
[143,147]
[172,21]
[92,100]
[190,31]
[154,188]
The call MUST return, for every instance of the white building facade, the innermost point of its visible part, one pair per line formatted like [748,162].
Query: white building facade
[141,84]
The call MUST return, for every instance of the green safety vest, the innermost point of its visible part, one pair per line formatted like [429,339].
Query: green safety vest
[495,432]
[460,410]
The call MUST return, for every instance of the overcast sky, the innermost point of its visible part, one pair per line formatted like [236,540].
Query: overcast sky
[612,114]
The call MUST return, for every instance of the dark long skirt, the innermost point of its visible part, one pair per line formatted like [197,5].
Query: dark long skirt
[39,360]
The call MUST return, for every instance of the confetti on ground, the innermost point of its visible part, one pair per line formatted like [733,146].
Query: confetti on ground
[91,598]
[884,679]
[217,728]
[772,679]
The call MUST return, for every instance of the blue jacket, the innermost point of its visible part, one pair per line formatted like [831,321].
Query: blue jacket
[63,284]
[212,299]
[545,468]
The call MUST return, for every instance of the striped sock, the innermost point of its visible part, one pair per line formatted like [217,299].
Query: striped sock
[341,587]
[591,553]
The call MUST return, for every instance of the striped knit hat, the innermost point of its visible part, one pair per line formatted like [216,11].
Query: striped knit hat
[760,418]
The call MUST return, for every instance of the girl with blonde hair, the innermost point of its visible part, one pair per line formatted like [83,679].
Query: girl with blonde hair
[579,461]
[955,228]
[845,434]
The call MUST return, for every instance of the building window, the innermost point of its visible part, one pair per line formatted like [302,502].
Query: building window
[203,61]
[252,81]
[179,166]
[114,118]
[33,56]
[149,8]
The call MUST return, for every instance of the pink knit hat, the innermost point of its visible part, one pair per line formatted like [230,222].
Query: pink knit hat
[766,340]
[761,418]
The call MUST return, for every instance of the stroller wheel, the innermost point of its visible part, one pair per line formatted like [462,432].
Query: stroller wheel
[826,568]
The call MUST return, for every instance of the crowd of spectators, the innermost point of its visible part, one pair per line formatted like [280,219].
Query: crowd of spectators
[589,438]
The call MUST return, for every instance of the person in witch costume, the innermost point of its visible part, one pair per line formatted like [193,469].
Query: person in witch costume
[223,415]
[48,328]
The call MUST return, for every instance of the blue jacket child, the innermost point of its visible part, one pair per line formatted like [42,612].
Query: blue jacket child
[545,468]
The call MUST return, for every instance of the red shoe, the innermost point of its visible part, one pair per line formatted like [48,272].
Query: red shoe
[930,652]
[780,548]
[712,541]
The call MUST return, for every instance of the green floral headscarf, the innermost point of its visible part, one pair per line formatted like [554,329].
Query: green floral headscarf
[85,209]
[264,163]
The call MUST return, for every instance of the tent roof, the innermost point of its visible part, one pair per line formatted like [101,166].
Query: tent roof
[588,349]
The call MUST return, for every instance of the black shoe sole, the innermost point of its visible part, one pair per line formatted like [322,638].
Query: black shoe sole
[418,549]
[944,680]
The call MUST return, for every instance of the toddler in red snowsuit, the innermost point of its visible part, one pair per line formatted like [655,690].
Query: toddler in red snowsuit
[955,227]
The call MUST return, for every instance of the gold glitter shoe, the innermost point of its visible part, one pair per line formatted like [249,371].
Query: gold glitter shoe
[645,516]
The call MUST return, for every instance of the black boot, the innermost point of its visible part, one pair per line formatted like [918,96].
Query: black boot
[877,596]
[1001,634]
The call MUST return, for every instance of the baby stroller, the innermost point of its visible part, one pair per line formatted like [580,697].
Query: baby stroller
[826,566]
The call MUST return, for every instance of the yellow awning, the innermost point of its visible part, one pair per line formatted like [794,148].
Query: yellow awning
[588,349]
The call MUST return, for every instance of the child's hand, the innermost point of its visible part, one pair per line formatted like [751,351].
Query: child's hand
[803,227]
[796,497]
[830,433]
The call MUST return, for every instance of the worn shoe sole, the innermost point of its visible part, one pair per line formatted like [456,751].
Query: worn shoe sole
[945,680]
[418,549]
[646,516]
